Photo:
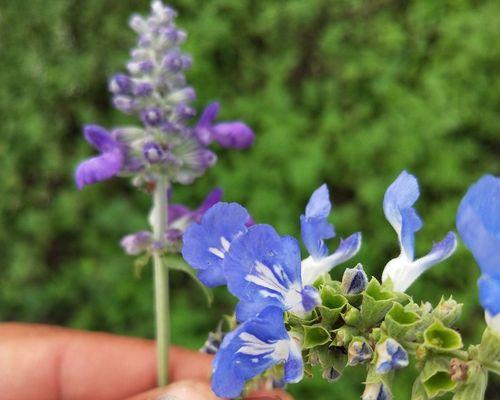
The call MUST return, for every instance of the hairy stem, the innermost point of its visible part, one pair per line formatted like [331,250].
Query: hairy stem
[161,285]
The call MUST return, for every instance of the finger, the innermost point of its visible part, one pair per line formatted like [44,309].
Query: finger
[269,395]
[47,362]
[182,390]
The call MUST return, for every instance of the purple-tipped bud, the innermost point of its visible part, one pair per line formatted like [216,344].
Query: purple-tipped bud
[234,135]
[173,235]
[376,391]
[187,61]
[136,243]
[207,158]
[153,152]
[173,35]
[142,89]
[152,116]
[137,23]
[359,351]
[184,95]
[184,111]
[163,13]
[120,84]
[354,280]
[124,103]
[172,61]
[390,356]
[140,67]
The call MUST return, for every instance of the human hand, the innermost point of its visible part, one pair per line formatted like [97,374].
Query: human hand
[40,362]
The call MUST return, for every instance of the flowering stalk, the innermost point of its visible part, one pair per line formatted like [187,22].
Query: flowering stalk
[161,284]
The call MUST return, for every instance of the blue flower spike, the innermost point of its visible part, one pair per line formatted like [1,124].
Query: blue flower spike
[390,356]
[399,199]
[206,244]
[315,229]
[254,346]
[478,222]
[262,269]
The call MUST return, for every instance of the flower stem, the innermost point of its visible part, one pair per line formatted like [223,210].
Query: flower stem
[161,285]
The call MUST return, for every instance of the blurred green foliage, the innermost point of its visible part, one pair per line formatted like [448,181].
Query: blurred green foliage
[347,92]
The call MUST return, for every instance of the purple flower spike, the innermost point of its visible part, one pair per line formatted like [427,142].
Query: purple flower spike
[104,166]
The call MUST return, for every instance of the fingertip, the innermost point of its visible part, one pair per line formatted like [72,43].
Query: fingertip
[269,395]
[182,390]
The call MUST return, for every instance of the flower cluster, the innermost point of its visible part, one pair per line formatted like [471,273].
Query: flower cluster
[155,90]
[291,312]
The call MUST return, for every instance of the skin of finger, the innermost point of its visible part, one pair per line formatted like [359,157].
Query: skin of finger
[45,362]
[195,390]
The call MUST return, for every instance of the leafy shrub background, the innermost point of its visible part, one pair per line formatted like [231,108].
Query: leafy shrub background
[343,92]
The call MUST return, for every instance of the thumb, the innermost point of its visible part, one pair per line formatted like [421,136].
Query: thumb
[181,390]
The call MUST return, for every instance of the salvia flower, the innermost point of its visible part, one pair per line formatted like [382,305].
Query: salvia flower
[235,134]
[478,222]
[262,269]
[206,244]
[315,229]
[354,280]
[155,90]
[104,166]
[390,356]
[376,391]
[254,346]
[179,217]
[398,209]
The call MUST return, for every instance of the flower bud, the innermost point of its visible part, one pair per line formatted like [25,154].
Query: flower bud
[359,351]
[142,89]
[136,243]
[331,374]
[352,316]
[354,280]
[233,135]
[390,356]
[120,84]
[448,311]
[124,103]
[153,152]
[152,116]
[376,391]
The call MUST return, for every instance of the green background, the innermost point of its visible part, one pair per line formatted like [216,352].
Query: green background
[344,92]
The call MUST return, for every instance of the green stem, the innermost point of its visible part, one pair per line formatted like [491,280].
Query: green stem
[162,311]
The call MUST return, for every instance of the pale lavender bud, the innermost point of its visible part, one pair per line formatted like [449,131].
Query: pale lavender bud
[183,111]
[234,135]
[207,158]
[124,103]
[137,23]
[359,351]
[153,152]
[140,67]
[120,84]
[142,89]
[354,280]
[183,95]
[136,243]
[376,391]
[152,116]
[172,61]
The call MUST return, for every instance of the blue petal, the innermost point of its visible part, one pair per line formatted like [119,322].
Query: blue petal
[206,244]
[319,205]
[248,351]
[315,227]
[398,201]
[99,168]
[439,252]
[263,268]
[478,222]
[294,366]
[489,294]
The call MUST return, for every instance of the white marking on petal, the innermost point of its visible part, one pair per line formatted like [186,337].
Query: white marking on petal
[220,252]
[216,252]
[263,276]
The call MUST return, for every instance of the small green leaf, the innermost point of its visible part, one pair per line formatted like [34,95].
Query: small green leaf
[315,336]
[331,306]
[436,378]
[489,349]
[139,264]
[376,303]
[401,323]
[352,316]
[418,392]
[178,264]
[441,338]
